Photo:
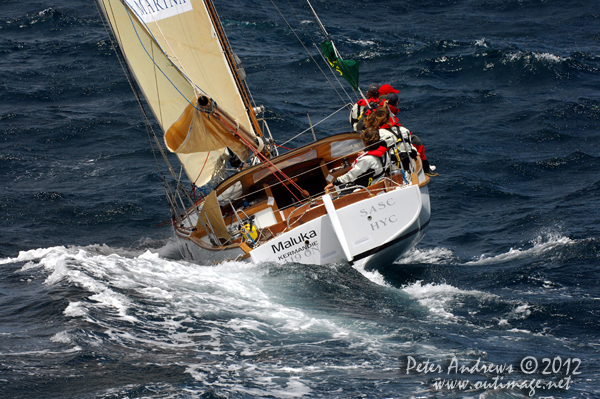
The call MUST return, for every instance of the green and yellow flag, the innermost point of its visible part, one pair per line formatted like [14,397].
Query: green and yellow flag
[347,68]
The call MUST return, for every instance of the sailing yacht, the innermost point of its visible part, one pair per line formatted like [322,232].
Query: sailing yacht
[275,208]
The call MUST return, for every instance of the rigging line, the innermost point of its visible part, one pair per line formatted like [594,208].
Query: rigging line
[321,26]
[308,52]
[327,37]
[185,73]
[202,170]
[322,120]
[154,62]
[149,31]
[128,74]
[228,43]
[136,94]
[156,65]
[233,69]
[267,163]
[301,174]
[335,75]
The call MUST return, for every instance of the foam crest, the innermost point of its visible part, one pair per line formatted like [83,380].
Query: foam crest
[544,243]
[226,324]
[439,298]
[373,275]
[428,256]
[481,42]
[232,288]
[32,254]
[533,56]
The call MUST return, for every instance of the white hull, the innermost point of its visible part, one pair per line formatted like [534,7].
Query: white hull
[369,233]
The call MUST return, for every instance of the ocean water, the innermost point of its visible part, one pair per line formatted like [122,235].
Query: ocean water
[95,301]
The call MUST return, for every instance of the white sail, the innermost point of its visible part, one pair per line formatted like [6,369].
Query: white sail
[174,52]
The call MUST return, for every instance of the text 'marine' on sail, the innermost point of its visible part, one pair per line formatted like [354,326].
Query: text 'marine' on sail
[176,55]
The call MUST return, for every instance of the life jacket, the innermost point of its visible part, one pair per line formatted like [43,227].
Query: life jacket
[367,178]
[375,103]
[398,143]
[401,135]
[359,109]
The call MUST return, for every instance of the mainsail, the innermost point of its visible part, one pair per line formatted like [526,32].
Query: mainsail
[176,51]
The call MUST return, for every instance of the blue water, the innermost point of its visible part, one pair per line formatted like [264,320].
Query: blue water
[505,94]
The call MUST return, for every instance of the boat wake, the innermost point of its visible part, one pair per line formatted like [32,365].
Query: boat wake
[228,324]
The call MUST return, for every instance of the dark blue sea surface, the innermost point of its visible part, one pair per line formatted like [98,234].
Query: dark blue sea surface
[96,303]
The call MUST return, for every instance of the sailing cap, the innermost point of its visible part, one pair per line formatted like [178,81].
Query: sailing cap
[373,88]
[387,89]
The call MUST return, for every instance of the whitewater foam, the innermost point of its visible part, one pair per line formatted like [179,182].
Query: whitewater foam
[542,244]
[439,298]
[426,256]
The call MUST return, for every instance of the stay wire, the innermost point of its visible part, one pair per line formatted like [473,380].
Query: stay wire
[319,50]
[327,37]
[316,124]
[306,49]
[149,130]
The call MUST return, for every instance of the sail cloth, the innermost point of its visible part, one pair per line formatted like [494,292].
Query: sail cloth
[348,69]
[184,30]
[173,51]
[196,131]
[211,219]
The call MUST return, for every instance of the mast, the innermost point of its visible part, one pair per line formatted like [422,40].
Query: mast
[232,64]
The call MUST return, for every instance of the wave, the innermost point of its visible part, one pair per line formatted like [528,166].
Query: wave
[439,299]
[226,324]
[545,242]
[426,256]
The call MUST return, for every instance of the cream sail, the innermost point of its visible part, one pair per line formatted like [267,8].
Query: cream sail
[176,56]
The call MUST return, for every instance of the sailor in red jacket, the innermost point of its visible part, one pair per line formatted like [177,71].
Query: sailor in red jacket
[361,106]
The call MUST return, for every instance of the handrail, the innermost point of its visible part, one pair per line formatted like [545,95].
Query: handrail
[292,212]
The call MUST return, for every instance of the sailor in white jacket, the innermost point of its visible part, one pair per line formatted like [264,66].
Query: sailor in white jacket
[370,166]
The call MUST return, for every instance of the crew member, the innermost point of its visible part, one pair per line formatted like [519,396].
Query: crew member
[370,166]
[396,137]
[389,93]
[358,110]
